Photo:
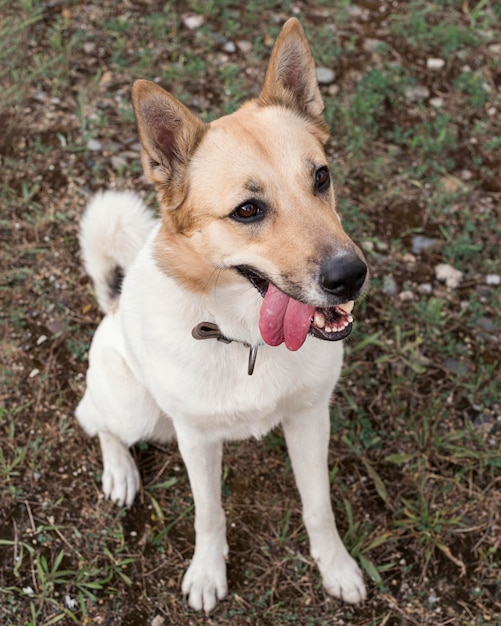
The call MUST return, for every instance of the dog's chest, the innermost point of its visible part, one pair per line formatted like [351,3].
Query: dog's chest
[205,382]
[207,386]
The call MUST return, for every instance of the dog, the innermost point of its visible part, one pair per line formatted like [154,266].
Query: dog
[225,317]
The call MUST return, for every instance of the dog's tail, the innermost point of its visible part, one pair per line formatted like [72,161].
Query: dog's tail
[113,228]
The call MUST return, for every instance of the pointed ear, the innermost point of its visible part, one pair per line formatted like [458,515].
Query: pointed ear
[169,134]
[291,77]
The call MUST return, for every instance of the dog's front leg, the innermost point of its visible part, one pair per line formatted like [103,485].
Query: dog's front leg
[307,435]
[205,580]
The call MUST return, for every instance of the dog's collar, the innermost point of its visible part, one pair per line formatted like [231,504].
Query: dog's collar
[209,330]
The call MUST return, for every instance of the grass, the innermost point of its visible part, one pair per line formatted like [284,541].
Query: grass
[415,451]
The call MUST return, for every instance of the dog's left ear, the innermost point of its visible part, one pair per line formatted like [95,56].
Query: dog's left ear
[291,78]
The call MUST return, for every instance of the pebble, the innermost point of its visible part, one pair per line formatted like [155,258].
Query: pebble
[419,92]
[434,63]
[487,324]
[437,102]
[94,145]
[420,243]
[229,47]
[325,76]
[447,274]
[494,48]
[382,246]
[406,296]
[244,46]
[425,289]
[192,22]
[456,366]
[493,280]
[389,286]
[89,47]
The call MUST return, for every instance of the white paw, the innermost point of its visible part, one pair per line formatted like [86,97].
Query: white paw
[343,579]
[205,583]
[121,480]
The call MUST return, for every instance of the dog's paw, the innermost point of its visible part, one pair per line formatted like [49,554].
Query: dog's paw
[343,579]
[121,481]
[205,583]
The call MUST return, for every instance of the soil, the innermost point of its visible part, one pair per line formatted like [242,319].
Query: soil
[71,134]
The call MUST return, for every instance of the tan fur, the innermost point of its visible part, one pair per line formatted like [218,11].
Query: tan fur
[198,241]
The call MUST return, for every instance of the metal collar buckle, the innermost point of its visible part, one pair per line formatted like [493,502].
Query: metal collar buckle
[209,330]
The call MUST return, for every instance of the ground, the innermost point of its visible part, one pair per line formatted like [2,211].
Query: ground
[413,100]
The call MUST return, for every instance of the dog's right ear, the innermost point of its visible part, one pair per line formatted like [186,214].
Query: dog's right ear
[169,134]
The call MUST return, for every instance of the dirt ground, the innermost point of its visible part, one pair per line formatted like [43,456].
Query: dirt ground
[413,100]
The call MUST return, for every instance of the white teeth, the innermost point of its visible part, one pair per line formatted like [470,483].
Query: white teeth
[347,307]
[350,319]
[329,329]
[319,319]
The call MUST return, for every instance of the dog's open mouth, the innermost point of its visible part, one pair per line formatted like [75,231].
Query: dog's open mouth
[285,320]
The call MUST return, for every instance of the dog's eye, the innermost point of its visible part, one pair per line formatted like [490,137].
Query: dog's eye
[248,212]
[322,179]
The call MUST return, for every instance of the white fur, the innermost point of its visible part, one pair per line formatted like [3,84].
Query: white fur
[113,229]
[149,379]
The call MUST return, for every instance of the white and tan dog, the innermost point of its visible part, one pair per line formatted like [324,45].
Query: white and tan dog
[249,255]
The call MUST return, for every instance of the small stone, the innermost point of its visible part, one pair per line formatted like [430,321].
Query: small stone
[325,76]
[487,324]
[41,96]
[94,145]
[230,47]
[158,620]
[409,258]
[447,274]
[192,22]
[389,286]
[420,243]
[437,102]
[118,163]
[425,289]
[418,92]
[495,49]
[493,280]
[34,372]
[434,64]
[406,296]
[456,366]
[244,46]
[89,47]
[41,340]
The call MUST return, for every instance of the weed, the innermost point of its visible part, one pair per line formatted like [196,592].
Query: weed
[415,420]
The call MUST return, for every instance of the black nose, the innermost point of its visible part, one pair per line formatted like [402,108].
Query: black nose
[343,276]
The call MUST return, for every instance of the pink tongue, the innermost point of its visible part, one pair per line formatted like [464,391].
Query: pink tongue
[284,319]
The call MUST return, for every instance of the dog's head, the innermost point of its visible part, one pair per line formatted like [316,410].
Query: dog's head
[249,197]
